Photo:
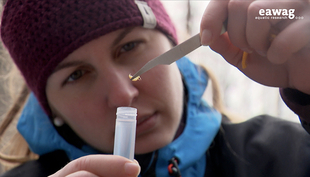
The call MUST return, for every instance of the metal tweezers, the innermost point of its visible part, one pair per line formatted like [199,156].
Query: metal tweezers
[174,54]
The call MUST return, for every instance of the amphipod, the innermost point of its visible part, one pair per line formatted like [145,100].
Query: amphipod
[134,79]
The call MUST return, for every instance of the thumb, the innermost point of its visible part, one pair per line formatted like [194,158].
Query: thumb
[212,21]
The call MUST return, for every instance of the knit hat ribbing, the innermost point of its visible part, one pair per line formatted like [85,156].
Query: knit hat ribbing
[39,34]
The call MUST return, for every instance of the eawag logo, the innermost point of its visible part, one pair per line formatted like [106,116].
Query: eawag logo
[277,14]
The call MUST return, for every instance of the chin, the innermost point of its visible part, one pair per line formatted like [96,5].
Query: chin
[149,144]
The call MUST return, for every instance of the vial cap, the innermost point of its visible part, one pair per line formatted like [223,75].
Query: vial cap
[126,112]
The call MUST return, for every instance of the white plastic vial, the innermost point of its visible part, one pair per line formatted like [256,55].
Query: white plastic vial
[125,132]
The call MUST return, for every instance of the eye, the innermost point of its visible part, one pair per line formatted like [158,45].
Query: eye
[129,46]
[75,75]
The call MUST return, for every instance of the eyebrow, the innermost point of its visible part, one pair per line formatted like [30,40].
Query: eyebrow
[67,65]
[122,35]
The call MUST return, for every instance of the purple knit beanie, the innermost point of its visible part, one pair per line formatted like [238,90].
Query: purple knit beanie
[39,34]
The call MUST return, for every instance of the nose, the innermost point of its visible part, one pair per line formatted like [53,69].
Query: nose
[121,90]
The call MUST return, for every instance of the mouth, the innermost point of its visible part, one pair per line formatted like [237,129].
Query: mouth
[146,123]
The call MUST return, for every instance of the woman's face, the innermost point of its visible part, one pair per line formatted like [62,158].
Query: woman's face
[87,87]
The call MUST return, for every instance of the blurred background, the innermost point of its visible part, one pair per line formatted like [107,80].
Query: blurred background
[242,96]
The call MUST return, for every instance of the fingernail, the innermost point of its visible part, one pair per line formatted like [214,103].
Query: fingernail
[247,50]
[262,53]
[131,168]
[134,160]
[206,37]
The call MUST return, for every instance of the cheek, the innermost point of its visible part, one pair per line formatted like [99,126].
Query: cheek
[82,111]
[92,125]
[167,82]
[173,90]
[86,117]
[168,91]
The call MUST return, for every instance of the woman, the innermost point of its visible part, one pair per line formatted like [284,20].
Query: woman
[76,56]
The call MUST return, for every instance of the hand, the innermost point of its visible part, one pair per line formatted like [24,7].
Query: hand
[278,49]
[100,166]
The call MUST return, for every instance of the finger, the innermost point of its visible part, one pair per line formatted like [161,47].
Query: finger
[101,165]
[82,174]
[262,71]
[258,68]
[291,40]
[266,17]
[231,53]
[212,21]
[257,30]
[236,27]
[299,72]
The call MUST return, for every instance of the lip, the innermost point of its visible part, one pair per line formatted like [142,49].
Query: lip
[146,123]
